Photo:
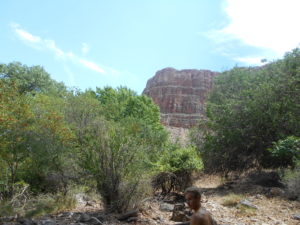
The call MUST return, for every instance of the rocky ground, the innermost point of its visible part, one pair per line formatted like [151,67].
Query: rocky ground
[238,202]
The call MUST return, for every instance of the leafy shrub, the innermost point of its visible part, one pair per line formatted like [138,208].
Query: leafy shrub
[175,169]
[286,152]
[120,139]
[180,159]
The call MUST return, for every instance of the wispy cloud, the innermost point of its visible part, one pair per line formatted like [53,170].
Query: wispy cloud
[269,25]
[91,65]
[50,45]
[27,36]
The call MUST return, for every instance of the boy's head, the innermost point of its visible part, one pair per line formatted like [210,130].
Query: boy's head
[193,197]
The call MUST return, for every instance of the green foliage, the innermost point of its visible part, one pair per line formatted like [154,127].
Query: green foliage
[16,123]
[174,168]
[286,152]
[179,159]
[50,142]
[33,137]
[122,103]
[118,136]
[110,138]
[248,110]
[30,79]
[115,155]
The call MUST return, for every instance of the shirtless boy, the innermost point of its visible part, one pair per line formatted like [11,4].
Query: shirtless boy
[200,216]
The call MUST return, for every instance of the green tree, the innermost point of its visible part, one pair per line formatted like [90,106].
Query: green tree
[16,123]
[122,102]
[50,143]
[33,136]
[248,110]
[30,79]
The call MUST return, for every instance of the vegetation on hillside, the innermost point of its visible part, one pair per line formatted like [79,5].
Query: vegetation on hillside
[253,118]
[111,140]
[52,139]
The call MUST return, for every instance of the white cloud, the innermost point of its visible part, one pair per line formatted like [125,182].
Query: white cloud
[27,36]
[91,65]
[85,48]
[271,25]
[250,60]
[50,45]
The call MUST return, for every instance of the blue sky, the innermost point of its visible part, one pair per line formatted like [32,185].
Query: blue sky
[89,43]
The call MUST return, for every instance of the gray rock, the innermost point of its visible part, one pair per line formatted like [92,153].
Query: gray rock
[99,216]
[296,217]
[247,203]
[25,221]
[7,219]
[94,221]
[125,216]
[166,207]
[48,222]
[84,218]
[66,214]
[132,219]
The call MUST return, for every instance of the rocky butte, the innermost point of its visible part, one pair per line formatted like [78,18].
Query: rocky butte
[180,95]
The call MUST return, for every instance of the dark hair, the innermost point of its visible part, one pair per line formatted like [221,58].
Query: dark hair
[194,190]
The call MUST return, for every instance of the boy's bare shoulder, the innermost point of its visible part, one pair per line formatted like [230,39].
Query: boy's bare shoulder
[201,218]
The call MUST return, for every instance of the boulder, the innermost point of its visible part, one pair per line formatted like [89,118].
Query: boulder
[296,217]
[166,207]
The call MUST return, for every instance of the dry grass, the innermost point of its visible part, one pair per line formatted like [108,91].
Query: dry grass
[37,206]
[208,181]
[244,211]
[232,200]
[50,204]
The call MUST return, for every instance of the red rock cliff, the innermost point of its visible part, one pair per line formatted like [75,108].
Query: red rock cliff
[180,94]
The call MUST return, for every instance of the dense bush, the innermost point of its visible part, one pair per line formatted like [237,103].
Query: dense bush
[248,110]
[175,168]
[178,159]
[116,144]
[286,152]
[51,138]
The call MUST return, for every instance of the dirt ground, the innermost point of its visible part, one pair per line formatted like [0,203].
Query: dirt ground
[269,206]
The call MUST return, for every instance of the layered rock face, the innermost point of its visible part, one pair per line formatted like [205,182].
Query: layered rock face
[180,94]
